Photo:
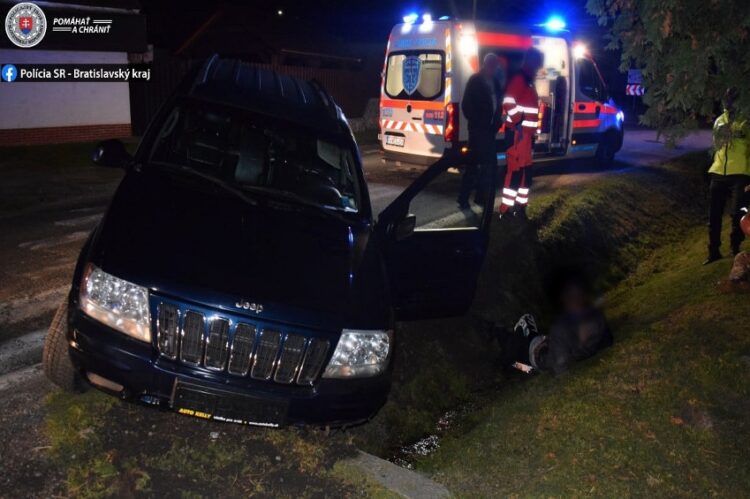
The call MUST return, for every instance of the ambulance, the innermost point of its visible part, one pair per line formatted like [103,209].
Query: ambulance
[428,63]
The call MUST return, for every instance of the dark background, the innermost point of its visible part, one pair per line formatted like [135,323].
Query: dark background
[340,43]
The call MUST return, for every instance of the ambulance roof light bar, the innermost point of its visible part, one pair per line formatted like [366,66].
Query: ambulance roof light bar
[411,18]
[554,23]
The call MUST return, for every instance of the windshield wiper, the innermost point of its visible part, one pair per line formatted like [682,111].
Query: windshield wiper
[240,193]
[332,211]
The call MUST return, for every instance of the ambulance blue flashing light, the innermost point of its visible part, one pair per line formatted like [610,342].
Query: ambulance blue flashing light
[411,18]
[555,23]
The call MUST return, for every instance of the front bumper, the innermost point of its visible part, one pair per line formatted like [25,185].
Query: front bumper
[146,377]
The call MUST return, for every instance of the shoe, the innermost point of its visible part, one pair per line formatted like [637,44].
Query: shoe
[526,326]
[712,258]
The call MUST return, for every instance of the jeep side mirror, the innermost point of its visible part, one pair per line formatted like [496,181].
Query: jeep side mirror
[111,153]
[405,227]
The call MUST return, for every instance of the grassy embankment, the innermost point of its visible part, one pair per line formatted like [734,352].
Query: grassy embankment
[663,412]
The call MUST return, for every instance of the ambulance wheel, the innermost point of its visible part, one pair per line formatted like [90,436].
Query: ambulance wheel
[55,358]
[605,152]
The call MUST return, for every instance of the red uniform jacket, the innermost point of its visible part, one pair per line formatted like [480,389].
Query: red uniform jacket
[521,105]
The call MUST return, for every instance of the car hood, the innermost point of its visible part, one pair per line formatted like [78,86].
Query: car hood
[186,238]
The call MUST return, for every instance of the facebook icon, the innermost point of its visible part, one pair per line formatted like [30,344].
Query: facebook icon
[9,72]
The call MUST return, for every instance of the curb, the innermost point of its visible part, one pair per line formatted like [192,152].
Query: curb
[398,480]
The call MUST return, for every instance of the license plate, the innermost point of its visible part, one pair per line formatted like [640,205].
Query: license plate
[393,140]
[193,399]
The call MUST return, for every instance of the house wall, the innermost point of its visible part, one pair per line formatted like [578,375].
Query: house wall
[45,112]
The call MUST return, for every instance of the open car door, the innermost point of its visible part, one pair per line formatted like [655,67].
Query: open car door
[433,249]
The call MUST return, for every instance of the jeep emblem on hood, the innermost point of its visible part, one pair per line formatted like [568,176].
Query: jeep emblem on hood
[246,305]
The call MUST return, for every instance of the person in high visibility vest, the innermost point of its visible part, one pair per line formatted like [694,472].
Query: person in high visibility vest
[730,176]
[521,106]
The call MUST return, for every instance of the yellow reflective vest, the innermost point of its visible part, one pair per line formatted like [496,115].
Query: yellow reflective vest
[732,144]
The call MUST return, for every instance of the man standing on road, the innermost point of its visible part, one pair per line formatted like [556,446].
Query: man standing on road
[481,106]
[730,175]
[521,104]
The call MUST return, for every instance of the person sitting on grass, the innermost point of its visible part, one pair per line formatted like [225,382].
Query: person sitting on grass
[579,332]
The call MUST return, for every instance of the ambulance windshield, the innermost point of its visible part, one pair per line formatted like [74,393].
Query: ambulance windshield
[415,75]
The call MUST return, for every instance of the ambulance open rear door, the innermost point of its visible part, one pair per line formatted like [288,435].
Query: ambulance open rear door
[554,86]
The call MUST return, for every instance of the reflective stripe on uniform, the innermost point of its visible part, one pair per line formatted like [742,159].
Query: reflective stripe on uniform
[529,124]
[521,200]
[530,110]
[509,100]
[509,192]
[523,191]
[508,201]
[513,111]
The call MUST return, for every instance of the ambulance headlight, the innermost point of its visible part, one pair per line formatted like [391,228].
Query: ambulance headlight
[116,303]
[579,50]
[360,354]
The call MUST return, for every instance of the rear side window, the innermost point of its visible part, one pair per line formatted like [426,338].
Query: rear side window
[414,75]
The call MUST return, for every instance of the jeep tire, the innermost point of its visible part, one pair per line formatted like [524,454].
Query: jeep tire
[55,358]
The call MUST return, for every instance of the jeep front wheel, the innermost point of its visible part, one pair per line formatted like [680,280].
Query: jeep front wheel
[55,358]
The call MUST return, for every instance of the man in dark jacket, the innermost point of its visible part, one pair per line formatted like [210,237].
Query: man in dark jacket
[579,332]
[481,104]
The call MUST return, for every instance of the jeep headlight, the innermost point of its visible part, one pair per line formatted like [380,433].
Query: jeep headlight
[117,303]
[360,353]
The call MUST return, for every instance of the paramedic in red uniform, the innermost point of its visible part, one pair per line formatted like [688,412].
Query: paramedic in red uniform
[521,106]
[481,106]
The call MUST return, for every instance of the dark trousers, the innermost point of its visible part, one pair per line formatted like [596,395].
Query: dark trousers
[724,188]
[478,174]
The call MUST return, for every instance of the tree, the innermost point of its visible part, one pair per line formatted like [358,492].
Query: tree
[690,52]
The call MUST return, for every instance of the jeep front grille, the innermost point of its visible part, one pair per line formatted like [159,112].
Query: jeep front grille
[241,349]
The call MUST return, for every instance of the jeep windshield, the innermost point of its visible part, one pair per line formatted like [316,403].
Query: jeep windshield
[258,154]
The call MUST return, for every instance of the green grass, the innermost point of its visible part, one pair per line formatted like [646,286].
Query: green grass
[663,412]
[107,448]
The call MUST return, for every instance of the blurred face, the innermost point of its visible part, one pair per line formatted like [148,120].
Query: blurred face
[533,62]
[573,298]
[490,67]
[729,101]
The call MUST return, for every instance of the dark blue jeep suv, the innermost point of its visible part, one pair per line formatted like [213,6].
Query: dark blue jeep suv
[239,274]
